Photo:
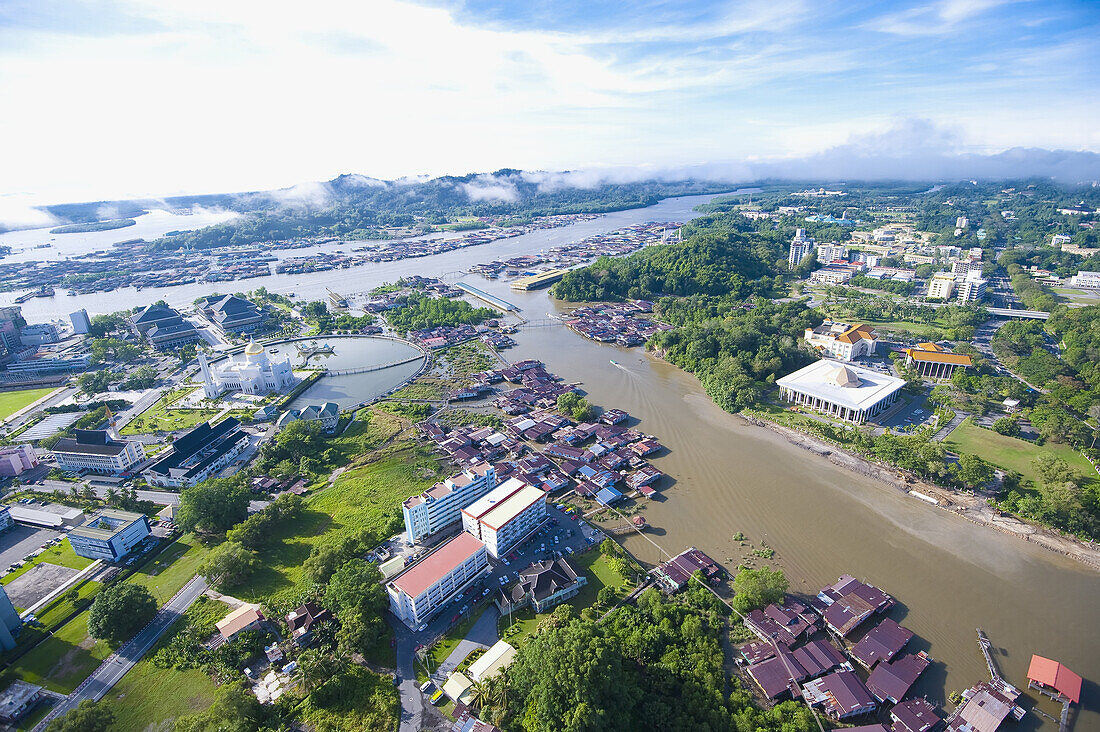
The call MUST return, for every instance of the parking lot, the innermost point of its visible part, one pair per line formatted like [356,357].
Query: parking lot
[19,541]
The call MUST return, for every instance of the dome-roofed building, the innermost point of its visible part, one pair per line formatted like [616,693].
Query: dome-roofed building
[252,371]
[844,391]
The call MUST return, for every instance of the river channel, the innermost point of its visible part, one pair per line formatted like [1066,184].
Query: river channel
[949,576]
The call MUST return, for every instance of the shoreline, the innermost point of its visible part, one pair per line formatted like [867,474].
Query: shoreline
[970,507]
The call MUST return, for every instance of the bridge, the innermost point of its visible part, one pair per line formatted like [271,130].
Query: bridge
[1013,313]
[541,323]
[367,369]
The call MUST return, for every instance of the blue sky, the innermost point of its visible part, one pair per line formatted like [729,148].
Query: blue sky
[134,97]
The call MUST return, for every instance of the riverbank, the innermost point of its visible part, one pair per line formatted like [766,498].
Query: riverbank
[970,507]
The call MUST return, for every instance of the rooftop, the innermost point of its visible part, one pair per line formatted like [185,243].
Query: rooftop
[1055,675]
[493,661]
[106,523]
[238,620]
[504,503]
[847,385]
[415,580]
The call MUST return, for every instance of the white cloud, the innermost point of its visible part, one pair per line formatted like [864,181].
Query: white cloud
[936,18]
[488,188]
[19,211]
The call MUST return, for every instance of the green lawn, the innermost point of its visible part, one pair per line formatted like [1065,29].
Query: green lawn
[171,569]
[1011,453]
[12,401]
[60,554]
[162,417]
[64,659]
[364,498]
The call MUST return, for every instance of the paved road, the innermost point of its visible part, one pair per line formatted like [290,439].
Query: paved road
[161,498]
[412,701]
[118,664]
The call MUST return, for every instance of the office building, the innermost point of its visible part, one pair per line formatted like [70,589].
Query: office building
[327,414]
[846,392]
[842,341]
[81,322]
[110,534]
[199,454]
[423,588]
[505,516]
[831,253]
[972,289]
[1087,280]
[39,334]
[801,247]
[440,506]
[941,286]
[96,451]
[10,622]
[232,314]
[164,328]
[42,363]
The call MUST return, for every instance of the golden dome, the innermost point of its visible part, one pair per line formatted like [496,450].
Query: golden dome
[253,349]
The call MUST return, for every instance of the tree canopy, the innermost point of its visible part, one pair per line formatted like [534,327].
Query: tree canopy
[119,611]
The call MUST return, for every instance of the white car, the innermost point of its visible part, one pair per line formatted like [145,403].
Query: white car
[422,628]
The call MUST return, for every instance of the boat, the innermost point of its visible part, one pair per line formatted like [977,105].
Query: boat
[614,362]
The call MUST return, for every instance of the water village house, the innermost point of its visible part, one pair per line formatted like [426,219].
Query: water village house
[846,392]
[935,362]
[842,341]
[915,715]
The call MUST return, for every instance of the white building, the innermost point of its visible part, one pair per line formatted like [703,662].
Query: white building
[847,392]
[328,414]
[440,506]
[97,452]
[6,521]
[962,222]
[941,286]
[502,518]
[250,372]
[842,341]
[81,323]
[801,246]
[972,288]
[831,252]
[421,589]
[1059,239]
[832,275]
[109,534]
[1090,280]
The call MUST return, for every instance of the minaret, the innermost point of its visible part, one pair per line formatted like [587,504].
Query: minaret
[208,386]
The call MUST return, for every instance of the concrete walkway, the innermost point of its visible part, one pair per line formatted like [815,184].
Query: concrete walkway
[944,431]
[482,634]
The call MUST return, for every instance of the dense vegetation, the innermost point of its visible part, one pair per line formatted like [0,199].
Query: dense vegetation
[93,226]
[721,255]
[421,312]
[658,665]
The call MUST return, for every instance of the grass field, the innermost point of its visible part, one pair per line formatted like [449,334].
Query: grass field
[64,659]
[165,575]
[161,417]
[61,554]
[12,401]
[1011,453]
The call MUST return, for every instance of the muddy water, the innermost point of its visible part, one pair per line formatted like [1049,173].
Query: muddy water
[950,576]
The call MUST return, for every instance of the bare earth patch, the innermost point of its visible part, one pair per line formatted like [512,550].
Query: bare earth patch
[40,581]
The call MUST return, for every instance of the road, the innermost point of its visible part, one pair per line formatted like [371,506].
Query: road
[412,701]
[118,664]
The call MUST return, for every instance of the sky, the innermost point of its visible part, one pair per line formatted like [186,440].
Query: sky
[122,98]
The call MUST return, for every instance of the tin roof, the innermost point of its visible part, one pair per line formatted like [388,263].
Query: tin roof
[1055,675]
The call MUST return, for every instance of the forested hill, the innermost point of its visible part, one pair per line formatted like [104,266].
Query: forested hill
[721,255]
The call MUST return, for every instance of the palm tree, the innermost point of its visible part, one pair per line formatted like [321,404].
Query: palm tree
[479,694]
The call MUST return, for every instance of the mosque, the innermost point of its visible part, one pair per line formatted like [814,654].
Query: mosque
[251,372]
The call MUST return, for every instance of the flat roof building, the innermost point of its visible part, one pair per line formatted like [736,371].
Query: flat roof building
[844,391]
[96,451]
[505,516]
[10,622]
[17,700]
[440,506]
[15,459]
[941,286]
[197,455]
[109,534]
[842,341]
[421,589]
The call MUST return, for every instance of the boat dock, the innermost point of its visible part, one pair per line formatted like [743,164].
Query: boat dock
[539,279]
[493,300]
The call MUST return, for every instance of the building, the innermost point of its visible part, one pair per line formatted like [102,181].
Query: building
[962,222]
[786,623]
[163,328]
[328,414]
[15,459]
[1054,680]
[43,363]
[935,362]
[39,334]
[423,588]
[246,617]
[1058,240]
[831,253]
[109,534]
[941,286]
[199,454]
[10,622]
[891,681]
[251,372]
[96,451]
[302,619]
[543,585]
[505,516]
[801,247]
[1087,280]
[842,341]
[832,275]
[440,506]
[6,520]
[18,699]
[495,660]
[848,602]
[972,288]
[674,574]
[846,392]
[882,643]
[81,323]
[915,715]
[841,695]
[232,314]
[986,705]
[467,722]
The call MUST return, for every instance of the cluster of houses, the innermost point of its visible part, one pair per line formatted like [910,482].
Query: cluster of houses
[444,336]
[616,323]
[789,662]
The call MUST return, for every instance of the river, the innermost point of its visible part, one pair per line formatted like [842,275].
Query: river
[949,576]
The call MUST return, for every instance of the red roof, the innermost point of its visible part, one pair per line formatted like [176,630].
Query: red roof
[1055,675]
[425,573]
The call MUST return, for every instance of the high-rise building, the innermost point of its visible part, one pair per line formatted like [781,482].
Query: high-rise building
[831,252]
[440,506]
[801,246]
[81,323]
[972,288]
[10,622]
[941,286]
